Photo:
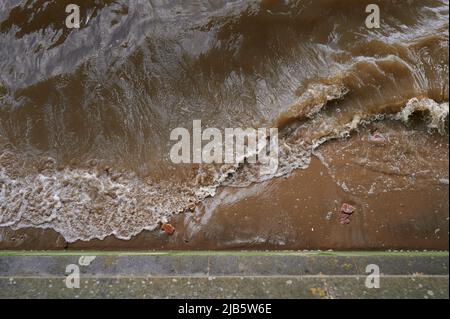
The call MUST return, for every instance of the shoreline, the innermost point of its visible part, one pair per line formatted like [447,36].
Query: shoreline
[270,216]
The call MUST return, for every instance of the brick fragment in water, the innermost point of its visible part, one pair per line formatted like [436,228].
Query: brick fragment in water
[347,209]
[168,229]
[377,137]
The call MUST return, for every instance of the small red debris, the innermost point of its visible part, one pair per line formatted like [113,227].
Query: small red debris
[377,137]
[347,209]
[168,229]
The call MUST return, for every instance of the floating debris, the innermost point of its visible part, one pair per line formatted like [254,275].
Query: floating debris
[168,229]
[377,138]
[329,215]
[347,209]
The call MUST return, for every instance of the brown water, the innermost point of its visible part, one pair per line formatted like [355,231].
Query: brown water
[86,115]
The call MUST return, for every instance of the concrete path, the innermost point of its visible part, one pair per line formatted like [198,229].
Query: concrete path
[223,275]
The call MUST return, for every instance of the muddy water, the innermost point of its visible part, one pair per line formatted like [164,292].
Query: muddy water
[86,115]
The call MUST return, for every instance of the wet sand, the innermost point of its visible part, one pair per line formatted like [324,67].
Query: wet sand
[297,212]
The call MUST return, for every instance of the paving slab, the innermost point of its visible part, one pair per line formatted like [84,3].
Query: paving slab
[222,275]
